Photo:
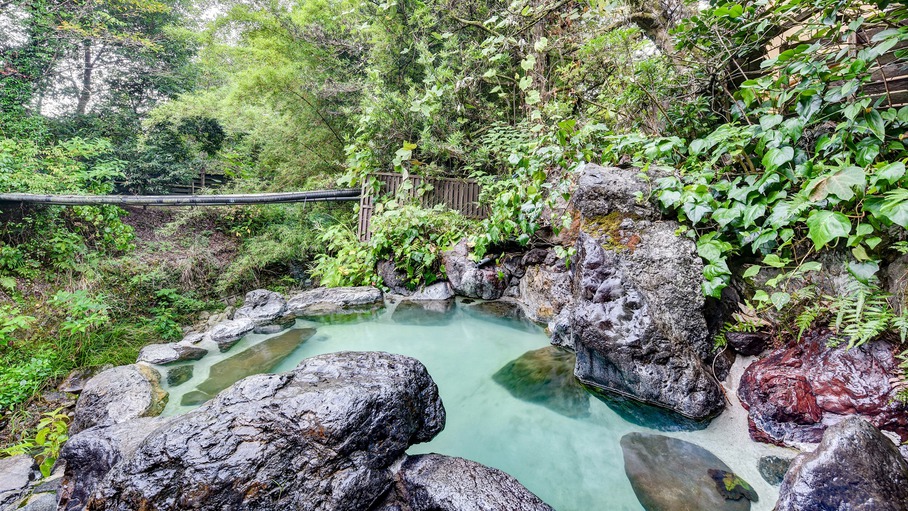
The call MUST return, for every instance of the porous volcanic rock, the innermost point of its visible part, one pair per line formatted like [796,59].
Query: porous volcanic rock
[321,437]
[262,306]
[469,279]
[855,468]
[432,482]
[335,300]
[119,395]
[668,474]
[637,318]
[793,394]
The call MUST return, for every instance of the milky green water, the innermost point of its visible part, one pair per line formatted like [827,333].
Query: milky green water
[574,464]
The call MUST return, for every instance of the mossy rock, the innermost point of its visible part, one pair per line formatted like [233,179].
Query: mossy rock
[546,377]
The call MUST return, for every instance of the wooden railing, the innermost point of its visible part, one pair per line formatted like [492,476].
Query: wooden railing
[458,194]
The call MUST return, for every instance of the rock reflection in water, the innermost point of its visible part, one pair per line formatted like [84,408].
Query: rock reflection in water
[648,416]
[256,359]
[546,377]
[424,313]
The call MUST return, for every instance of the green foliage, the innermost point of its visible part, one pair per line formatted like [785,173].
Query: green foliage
[20,380]
[346,261]
[45,445]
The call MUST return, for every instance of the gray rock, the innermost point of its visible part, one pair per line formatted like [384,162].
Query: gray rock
[467,278]
[748,343]
[75,381]
[773,469]
[605,191]
[89,456]
[855,468]
[668,474]
[335,300]
[321,437]
[160,354]
[262,306]
[393,278]
[637,323]
[16,474]
[544,291]
[432,482]
[193,338]
[227,333]
[896,282]
[434,292]
[119,395]
[41,502]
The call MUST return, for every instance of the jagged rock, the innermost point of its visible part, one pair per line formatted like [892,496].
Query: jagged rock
[321,437]
[668,474]
[637,323]
[261,306]
[748,343]
[855,468]
[119,395]
[773,469]
[793,394]
[433,292]
[179,375]
[160,354]
[260,358]
[546,377]
[430,313]
[89,456]
[394,279]
[487,282]
[40,502]
[637,319]
[545,291]
[896,282]
[432,482]
[227,333]
[16,474]
[335,300]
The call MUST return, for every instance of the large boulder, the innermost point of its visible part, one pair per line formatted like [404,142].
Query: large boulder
[545,290]
[89,455]
[324,436]
[668,474]
[637,321]
[432,482]
[546,377]
[335,300]
[262,306]
[793,394]
[119,395]
[468,278]
[855,468]
[170,352]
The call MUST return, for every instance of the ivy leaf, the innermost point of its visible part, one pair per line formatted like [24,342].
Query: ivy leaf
[752,213]
[876,124]
[776,157]
[752,271]
[840,183]
[826,226]
[891,173]
[780,299]
[528,63]
[895,208]
[863,272]
[768,122]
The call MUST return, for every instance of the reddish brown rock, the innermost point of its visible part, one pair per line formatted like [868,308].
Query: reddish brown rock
[797,391]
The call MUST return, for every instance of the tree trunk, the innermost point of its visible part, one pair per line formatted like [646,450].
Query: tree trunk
[87,67]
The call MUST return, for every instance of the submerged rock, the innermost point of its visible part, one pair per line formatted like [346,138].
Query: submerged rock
[89,456]
[469,279]
[797,391]
[179,375]
[335,300]
[773,468]
[194,398]
[119,395]
[260,358]
[262,306]
[546,377]
[160,354]
[668,474]
[428,313]
[324,436]
[854,468]
[637,319]
[432,482]
[227,333]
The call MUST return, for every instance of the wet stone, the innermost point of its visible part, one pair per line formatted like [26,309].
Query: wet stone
[668,474]
[773,469]
[194,398]
[179,375]
[256,359]
[429,313]
[546,377]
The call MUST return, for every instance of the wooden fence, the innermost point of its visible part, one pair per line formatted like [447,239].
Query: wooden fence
[457,194]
